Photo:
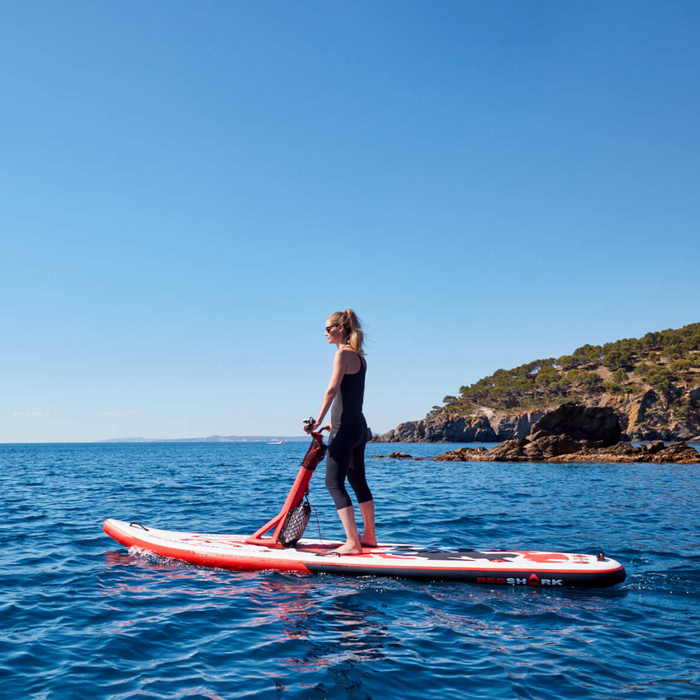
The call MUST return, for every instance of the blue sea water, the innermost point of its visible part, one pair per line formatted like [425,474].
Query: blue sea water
[81,617]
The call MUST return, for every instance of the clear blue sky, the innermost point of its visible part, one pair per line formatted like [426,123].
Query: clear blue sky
[188,189]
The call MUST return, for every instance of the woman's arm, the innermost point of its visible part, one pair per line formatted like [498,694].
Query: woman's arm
[339,366]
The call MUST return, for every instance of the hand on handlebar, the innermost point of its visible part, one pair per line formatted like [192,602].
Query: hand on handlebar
[310,426]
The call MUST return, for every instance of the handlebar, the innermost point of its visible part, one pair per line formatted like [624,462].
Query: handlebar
[309,427]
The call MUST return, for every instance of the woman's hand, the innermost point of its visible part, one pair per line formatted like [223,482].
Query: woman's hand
[317,428]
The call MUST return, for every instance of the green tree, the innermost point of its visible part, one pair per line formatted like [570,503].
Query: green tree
[675,352]
[589,353]
[567,362]
[618,359]
[649,342]
[547,376]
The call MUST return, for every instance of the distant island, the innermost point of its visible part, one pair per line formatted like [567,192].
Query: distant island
[216,438]
[652,383]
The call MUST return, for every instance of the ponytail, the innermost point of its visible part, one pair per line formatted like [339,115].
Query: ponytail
[356,336]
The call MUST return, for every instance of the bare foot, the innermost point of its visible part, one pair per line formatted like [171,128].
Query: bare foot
[367,541]
[347,549]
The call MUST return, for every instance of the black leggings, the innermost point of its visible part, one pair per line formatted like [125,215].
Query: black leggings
[346,458]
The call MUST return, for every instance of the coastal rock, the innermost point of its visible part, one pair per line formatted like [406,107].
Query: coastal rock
[550,446]
[400,455]
[622,452]
[450,428]
[412,431]
[621,449]
[576,433]
[509,449]
[579,422]
[462,454]
[652,416]
[442,429]
[460,429]
[514,426]
[683,431]
[678,453]
[522,450]
[636,414]
[654,447]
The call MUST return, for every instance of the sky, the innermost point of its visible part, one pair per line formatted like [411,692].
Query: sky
[187,190]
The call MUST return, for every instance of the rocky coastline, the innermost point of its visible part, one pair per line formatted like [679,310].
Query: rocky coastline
[623,452]
[576,433]
[490,426]
[643,417]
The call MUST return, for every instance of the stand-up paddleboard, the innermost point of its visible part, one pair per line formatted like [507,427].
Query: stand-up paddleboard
[405,561]
[284,550]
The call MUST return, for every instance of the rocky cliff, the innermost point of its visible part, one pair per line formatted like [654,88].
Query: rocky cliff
[490,426]
[647,415]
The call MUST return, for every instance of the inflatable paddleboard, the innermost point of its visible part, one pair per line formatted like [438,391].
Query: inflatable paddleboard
[308,556]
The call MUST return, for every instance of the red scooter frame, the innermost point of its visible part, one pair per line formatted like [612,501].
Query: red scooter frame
[300,487]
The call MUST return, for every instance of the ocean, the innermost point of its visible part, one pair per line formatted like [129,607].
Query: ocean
[82,617]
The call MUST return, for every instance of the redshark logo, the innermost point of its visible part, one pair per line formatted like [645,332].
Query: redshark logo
[533,580]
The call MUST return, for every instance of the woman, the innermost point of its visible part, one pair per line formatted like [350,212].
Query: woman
[346,444]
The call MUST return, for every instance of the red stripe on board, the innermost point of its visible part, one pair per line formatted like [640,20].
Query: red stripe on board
[235,563]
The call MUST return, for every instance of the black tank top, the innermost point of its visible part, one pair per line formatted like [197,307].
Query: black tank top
[347,405]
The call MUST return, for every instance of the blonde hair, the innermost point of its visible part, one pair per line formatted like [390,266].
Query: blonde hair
[348,319]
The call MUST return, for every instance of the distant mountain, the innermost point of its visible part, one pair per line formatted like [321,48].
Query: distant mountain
[215,438]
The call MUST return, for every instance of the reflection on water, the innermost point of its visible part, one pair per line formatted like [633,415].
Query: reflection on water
[286,603]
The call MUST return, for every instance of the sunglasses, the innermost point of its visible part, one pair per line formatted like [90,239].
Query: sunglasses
[328,328]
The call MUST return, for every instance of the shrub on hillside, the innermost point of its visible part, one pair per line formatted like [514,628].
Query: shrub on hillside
[547,376]
[675,352]
[620,377]
[682,407]
[681,366]
[590,380]
[642,369]
[539,383]
[660,378]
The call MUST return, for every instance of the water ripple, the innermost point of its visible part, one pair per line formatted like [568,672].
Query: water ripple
[83,617]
